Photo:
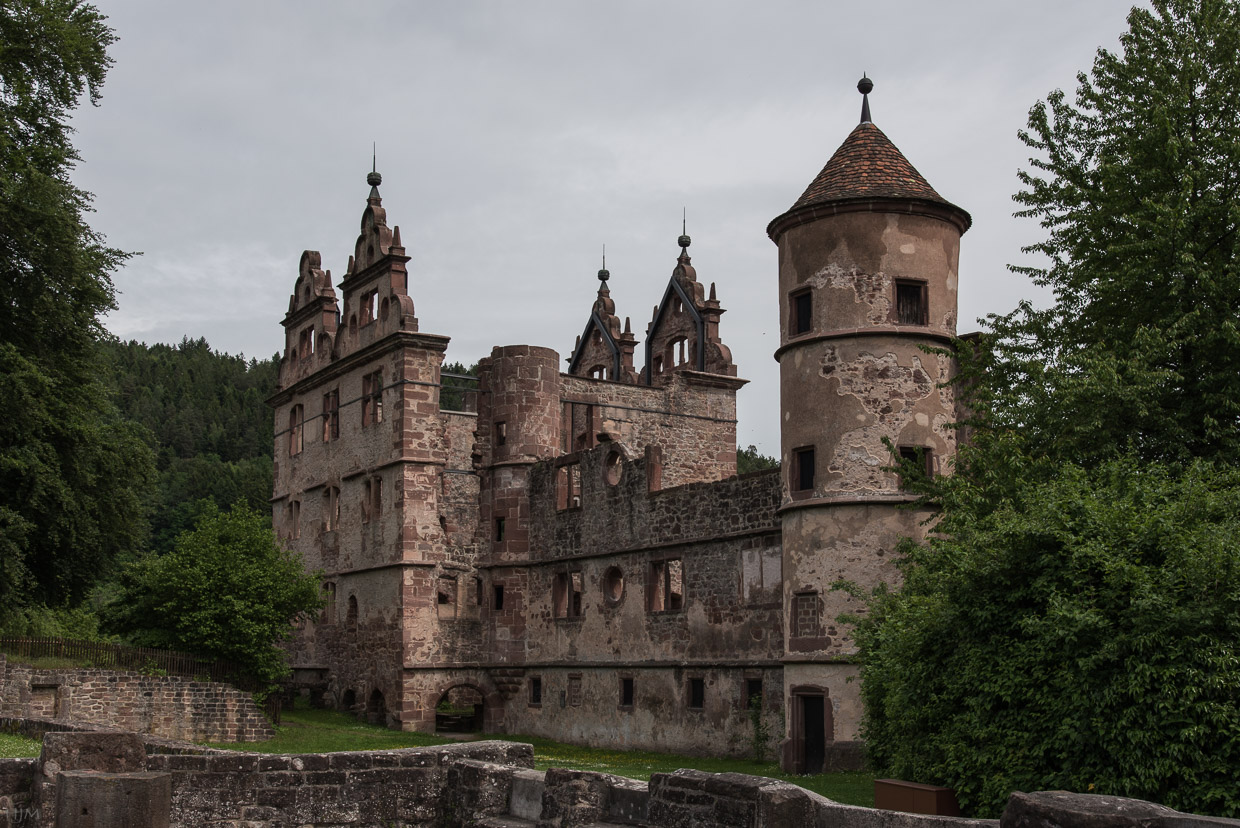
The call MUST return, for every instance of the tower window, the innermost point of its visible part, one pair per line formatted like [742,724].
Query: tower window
[912,303]
[501,433]
[499,596]
[499,530]
[372,398]
[535,691]
[802,309]
[626,692]
[803,469]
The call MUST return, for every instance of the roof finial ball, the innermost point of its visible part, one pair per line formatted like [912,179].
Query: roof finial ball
[865,86]
[684,241]
[604,274]
[373,178]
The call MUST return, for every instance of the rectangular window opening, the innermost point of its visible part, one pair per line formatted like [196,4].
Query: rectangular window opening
[626,691]
[753,693]
[331,416]
[566,595]
[296,422]
[499,530]
[445,596]
[802,312]
[803,469]
[920,456]
[912,303]
[501,434]
[535,691]
[697,693]
[568,486]
[574,690]
[666,586]
[372,398]
[499,596]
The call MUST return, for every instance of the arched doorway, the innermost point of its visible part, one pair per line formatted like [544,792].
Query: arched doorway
[376,709]
[348,701]
[459,710]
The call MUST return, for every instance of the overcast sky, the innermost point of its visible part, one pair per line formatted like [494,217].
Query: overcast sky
[516,138]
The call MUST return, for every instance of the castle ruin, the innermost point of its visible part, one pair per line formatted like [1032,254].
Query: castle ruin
[577,558]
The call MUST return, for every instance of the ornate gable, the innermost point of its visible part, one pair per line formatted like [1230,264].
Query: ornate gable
[684,333]
[603,351]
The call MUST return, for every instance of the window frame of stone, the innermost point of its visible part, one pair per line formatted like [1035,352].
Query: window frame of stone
[305,345]
[296,430]
[294,518]
[331,508]
[660,597]
[573,690]
[613,586]
[372,398]
[695,691]
[497,597]
[331,415]
[911,294]
[628,694]
[501,433]
[500,527]
[800,311]
[566,602]
[535,691]
[351,614]
[797,472]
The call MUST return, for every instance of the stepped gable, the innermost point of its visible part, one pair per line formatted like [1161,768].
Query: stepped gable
[867,165]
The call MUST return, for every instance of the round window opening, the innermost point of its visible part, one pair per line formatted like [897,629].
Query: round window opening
[612,468]
[613,585]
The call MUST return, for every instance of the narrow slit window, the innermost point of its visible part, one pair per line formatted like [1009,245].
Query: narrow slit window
[296,436]
[499,596]
[331,416]
[499,530]
[501,434]
[535,691]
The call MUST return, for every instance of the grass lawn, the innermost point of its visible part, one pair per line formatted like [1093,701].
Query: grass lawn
[324,731]
[13,746]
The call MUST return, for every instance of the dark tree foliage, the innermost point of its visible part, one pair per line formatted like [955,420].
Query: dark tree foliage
[227,590]
[1073,622]
[209,423]
[73,473]
[456,394]
[1137,184]
[749,459]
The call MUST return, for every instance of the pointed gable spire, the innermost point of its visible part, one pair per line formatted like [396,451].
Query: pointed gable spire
[602,350]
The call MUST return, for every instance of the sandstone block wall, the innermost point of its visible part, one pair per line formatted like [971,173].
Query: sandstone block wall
[166,706]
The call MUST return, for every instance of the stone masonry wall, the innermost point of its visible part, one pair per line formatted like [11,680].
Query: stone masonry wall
[167,706]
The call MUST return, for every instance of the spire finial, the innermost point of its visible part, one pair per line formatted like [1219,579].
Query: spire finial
[373,178]
[684,239]
[603,275]
[865,86]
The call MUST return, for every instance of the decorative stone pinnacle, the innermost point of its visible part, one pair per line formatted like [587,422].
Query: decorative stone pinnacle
[865,86]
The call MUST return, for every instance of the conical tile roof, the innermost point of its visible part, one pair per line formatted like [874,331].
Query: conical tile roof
[867,165]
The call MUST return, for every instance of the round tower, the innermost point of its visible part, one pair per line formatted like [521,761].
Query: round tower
[868,260]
